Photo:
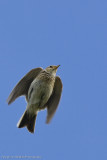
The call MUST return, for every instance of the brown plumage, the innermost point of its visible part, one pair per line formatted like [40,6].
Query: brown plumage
[42,89]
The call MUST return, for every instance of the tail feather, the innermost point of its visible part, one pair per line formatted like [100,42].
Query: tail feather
[31,124]
[27,121]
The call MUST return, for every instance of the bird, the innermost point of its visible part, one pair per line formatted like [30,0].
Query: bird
[42,90]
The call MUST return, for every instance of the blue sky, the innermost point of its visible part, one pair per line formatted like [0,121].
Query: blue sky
[72,33]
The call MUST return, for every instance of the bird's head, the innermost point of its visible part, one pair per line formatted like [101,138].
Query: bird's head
[52,69]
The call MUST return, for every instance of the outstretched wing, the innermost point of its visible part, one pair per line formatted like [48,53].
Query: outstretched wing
[23,85]
[53,101]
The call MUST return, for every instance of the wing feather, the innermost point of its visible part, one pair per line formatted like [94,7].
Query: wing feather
[23,85]
[53,102]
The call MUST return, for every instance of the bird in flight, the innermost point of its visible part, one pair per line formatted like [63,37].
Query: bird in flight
[42,89]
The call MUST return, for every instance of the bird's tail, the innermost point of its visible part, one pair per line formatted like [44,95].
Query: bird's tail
[27,121]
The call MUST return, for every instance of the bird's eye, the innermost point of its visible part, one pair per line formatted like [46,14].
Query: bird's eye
[50,66]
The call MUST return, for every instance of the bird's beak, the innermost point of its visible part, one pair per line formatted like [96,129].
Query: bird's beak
[57,66]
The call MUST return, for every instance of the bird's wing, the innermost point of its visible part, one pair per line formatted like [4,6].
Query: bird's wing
[53,101]
[23,85]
